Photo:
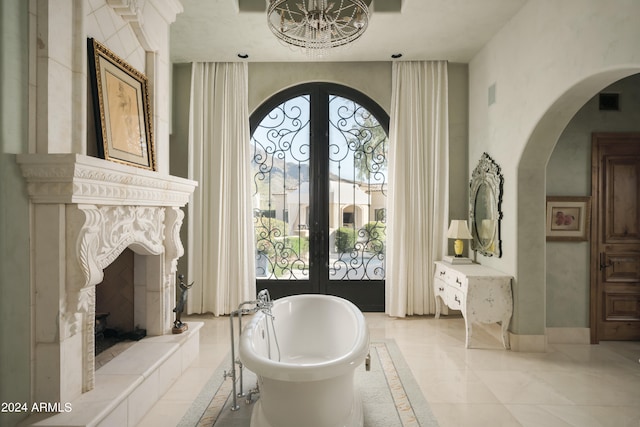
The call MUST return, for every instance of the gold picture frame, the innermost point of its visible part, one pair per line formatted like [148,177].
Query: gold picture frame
[568,218]
[122,109]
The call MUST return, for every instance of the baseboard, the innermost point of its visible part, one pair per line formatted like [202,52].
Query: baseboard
[568,335]
[528,343]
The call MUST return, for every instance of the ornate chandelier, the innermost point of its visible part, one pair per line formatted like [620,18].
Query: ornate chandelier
[317,25]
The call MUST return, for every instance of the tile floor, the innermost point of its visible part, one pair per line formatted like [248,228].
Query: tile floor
[569,385]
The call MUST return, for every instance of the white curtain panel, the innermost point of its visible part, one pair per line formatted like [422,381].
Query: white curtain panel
[221,238]
[418,185]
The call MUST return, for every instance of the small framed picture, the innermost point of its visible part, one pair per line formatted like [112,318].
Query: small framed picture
[122,109]
[568,218]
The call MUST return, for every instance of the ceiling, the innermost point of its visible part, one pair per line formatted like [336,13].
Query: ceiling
[453,30]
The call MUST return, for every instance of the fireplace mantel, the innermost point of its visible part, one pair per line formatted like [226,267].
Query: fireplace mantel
[85,212]
[76,178]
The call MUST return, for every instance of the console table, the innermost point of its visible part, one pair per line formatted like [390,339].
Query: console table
[482,294]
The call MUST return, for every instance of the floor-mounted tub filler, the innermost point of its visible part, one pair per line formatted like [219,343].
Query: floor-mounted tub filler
[304,350]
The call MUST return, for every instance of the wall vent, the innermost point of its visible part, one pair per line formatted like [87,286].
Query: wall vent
[609,102]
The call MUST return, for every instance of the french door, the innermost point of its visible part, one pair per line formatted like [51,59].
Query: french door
[319,162]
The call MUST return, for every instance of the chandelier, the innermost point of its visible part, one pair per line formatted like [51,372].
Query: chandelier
[317,25]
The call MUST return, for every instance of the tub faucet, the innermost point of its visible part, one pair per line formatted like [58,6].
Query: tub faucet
[264,299]
[264,305]
[241,311]
[264,302]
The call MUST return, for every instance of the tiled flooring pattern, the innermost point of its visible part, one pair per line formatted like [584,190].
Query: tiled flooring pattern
[569,385]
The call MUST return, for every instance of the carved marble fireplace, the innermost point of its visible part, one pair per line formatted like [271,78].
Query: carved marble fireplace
[86,211]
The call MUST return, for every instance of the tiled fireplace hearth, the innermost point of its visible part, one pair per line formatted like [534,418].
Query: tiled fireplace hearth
[86,211]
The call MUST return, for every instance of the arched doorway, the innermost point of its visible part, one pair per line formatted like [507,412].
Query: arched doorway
[320,180]
[530,287]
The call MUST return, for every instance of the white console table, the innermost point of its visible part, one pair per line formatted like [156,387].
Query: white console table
[482,294]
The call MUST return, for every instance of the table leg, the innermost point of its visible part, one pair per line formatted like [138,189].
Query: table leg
[468,330]
[505,333]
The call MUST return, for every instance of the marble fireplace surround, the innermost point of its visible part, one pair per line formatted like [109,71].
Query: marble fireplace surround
[85,212]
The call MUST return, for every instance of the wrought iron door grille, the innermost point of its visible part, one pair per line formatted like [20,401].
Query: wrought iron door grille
[355,153]
[357,190]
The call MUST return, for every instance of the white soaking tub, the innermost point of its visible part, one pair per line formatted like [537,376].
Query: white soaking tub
[306,367]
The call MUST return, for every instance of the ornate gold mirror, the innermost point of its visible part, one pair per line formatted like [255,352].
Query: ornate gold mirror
[485,198]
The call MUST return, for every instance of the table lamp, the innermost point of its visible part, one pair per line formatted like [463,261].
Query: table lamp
[458,230]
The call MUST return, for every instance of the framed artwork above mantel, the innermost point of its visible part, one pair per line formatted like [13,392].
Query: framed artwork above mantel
[122,109]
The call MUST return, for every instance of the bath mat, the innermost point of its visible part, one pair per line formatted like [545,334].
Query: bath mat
[390,395]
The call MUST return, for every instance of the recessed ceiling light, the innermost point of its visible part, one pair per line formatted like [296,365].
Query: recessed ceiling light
[243,55]
[396,55]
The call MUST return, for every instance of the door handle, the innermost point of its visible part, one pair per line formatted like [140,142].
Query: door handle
[603,264]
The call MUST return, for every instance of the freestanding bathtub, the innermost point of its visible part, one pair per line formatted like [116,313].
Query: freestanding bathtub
[307,380]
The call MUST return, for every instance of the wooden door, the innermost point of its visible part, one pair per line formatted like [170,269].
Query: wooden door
[615,243]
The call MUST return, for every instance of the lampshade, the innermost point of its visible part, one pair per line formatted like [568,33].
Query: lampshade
[459,230]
